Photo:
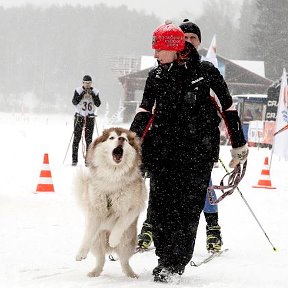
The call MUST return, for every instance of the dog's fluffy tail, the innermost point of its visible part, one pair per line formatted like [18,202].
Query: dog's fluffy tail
[81,186]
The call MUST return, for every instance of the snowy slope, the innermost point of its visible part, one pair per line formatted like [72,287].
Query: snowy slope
[40,233]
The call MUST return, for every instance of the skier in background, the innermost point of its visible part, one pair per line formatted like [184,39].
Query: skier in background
[85,99]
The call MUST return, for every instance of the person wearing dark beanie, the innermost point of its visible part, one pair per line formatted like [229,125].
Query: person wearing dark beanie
[189,27]
[213,230]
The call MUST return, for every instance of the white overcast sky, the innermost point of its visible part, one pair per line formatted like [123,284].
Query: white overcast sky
[165,9]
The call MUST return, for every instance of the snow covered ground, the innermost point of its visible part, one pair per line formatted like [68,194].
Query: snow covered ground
[40,233]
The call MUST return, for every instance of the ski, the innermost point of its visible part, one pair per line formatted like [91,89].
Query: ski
[137,250]
[208,258]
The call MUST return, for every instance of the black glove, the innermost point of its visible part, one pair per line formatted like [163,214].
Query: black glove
[140,122]
[86,91]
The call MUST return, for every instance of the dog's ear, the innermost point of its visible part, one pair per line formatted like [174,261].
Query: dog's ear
[94,143]
[134,141]
[104,136]
[132,134]
[101,138]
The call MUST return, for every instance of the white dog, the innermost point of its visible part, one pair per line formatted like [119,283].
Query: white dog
[112,193]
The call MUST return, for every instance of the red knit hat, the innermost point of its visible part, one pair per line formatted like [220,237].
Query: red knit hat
[168,37]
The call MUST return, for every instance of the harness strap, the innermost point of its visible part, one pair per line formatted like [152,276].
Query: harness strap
[234,178]
[148,126]
[83,137]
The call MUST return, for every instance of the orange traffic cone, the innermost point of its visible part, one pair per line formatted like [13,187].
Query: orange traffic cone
[45,181]
[265,181]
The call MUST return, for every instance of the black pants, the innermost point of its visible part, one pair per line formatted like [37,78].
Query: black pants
[79,122]
[177,197]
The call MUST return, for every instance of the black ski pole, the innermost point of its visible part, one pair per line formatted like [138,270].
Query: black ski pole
[245,201]
[70,141]
[96,126]
[68,147]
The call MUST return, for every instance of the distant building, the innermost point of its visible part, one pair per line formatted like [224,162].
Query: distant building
[125,65]
[240,80]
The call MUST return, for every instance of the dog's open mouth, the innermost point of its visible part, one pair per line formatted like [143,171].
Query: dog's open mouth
[117,154]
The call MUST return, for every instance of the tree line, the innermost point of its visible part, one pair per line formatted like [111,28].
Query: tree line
[44,52]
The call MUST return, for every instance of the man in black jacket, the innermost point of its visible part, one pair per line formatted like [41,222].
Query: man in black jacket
[85,99]
[213,230]
[182,145]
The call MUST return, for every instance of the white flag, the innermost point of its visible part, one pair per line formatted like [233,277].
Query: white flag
[212,58]
[280,144]
[211,53]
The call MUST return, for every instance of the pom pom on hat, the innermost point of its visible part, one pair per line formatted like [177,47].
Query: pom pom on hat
[168,37]
[190,27]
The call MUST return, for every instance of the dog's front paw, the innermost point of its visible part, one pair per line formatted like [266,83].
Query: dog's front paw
[81,255]
[114,240]
[94,273]
[133,275]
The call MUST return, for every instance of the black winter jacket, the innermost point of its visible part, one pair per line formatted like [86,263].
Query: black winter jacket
[185,127]
[78,96]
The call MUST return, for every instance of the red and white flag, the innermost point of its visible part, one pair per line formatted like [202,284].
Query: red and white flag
[280,143]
